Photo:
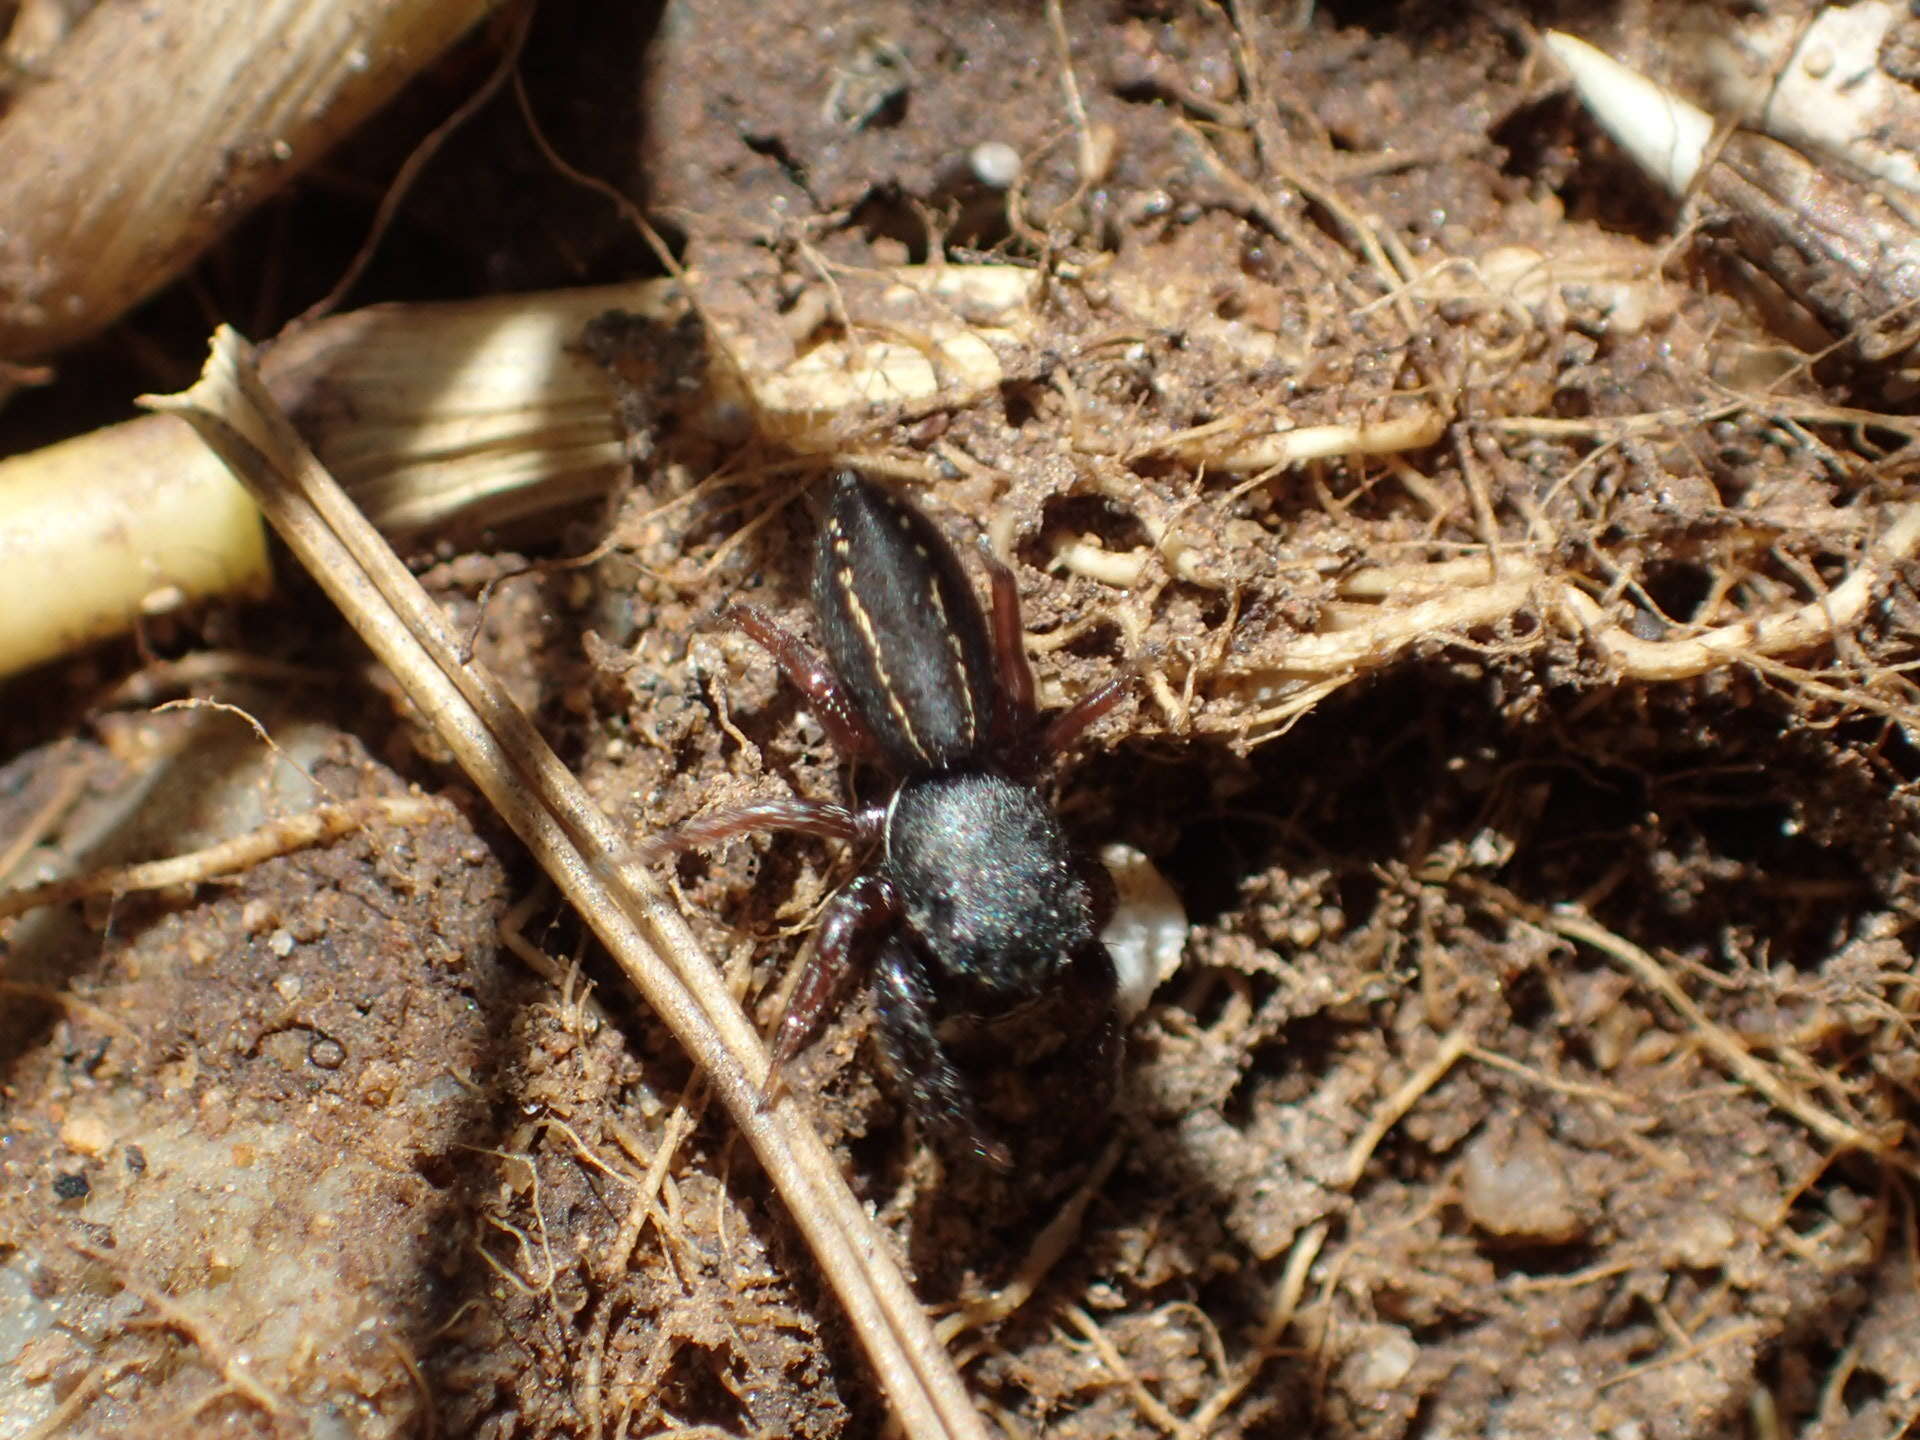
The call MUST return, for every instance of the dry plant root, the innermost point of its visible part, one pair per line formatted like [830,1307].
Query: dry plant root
[1462,596]
[316,827]
[1838,1132]
[1815,623]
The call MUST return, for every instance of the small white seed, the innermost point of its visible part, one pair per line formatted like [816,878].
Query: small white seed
[995,164]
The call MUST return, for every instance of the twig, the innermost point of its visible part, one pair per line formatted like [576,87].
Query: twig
[1220,443]
[1807,683]
[55,1424]
[1273,151]
[73,1006]
[70,778]
[1738,1330]
[298,832]
[1398,1104]
[416,163]
[1370,644]
[1257,204]
[1286,1304]
[1087,154]
[1150,1405]
[1602,1094]
[170,1314]
[1337,656]
[586,855]
[680,1124]
[1042,1256]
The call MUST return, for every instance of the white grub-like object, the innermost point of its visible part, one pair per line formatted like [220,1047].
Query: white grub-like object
[1666,136]
[1148,931]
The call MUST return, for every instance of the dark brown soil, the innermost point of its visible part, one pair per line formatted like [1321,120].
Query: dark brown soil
[1419,1142]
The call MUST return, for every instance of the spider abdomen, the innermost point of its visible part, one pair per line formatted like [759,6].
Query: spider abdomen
[903,630]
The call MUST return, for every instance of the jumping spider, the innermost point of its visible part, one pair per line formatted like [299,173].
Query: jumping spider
[976,907]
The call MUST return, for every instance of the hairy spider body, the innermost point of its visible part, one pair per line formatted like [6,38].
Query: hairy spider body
[978,906]
[987,881]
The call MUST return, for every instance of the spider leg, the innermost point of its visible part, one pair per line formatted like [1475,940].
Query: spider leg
[857,920]
[787,813]
[1014,715]
[935,1088]
[1097,1051]
[1016,720]
[812,677]
[1068,726]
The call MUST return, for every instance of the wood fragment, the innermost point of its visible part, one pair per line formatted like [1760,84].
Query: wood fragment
[155,127]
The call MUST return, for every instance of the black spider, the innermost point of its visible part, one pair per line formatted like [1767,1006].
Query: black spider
[976,905]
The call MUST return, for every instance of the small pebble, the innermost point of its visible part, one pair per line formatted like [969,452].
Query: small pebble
[1515,1186]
